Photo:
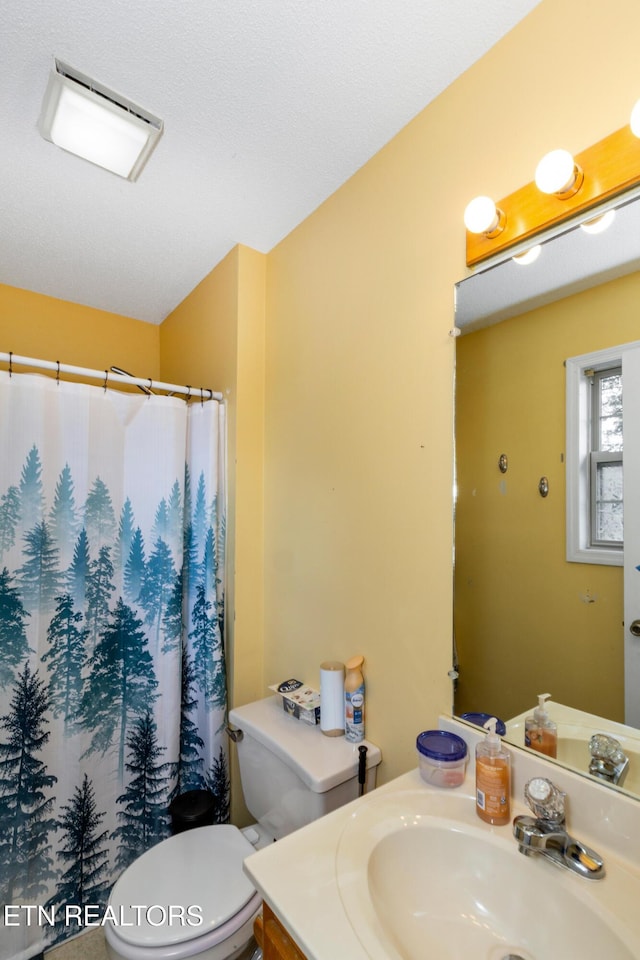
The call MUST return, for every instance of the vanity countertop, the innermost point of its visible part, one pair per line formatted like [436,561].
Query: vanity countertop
[297,876]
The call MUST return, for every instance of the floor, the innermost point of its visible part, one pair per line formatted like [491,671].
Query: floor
[91,946]
[88,946]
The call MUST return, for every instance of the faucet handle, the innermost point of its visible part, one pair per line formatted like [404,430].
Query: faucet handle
[608,759]
[545,799]
[604,747]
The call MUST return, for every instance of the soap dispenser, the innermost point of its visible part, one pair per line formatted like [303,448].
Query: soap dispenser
[541,733]
[493,778]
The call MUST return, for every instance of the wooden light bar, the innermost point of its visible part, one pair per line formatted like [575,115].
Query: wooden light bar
[610,167]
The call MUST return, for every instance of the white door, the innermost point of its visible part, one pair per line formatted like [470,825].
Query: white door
[631,473]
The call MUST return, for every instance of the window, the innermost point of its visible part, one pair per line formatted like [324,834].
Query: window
[605,481]
[594,457]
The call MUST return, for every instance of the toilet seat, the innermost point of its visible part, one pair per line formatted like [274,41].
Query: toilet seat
[199,869]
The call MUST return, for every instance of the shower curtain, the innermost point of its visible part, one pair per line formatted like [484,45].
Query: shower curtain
[112,671]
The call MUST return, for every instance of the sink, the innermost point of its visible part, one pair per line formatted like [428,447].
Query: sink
[420,876]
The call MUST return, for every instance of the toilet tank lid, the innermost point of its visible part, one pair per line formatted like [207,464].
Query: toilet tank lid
[321,762]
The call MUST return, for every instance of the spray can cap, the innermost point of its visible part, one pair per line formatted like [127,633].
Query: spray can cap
[354,663]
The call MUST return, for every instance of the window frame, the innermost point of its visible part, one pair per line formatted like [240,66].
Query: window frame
[579,458]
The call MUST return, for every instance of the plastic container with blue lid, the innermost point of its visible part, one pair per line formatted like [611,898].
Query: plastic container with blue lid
[442,757]
[481,718]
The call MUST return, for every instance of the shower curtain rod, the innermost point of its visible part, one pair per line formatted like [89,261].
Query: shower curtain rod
[110,376]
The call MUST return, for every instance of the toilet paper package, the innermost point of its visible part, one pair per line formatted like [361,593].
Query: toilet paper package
[299,700]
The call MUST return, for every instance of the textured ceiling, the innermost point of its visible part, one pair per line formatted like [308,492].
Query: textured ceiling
[268,105]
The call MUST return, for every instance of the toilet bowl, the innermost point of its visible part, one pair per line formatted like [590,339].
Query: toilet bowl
[185,897]
[188,896]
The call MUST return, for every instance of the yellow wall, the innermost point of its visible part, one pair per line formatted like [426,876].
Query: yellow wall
[527,621]
[358,446]
[37,326]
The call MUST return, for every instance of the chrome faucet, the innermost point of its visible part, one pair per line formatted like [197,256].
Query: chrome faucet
[608,760]
[545,834]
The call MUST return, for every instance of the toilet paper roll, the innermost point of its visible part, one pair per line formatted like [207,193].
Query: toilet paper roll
[332,698]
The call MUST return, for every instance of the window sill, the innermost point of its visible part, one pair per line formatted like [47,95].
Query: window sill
[599,555]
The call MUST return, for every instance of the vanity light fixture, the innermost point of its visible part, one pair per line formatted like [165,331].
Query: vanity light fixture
[576,189]
[84,117]
[482,216]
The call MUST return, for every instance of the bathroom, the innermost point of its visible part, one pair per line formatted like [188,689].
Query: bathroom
[335,497]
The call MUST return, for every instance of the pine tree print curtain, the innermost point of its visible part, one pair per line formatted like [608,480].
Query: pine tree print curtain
[112,673]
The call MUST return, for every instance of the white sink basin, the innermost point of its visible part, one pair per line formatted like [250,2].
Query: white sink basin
[421,877]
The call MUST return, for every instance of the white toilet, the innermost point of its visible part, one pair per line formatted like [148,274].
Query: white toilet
[188,896]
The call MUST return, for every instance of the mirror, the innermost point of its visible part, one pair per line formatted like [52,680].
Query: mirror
[526,620]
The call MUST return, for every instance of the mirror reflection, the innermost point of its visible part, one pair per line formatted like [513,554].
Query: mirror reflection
[527,620]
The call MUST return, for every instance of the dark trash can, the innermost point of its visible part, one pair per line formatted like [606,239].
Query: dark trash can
[195,808]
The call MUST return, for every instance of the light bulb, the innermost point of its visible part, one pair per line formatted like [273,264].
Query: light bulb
[599,224]
[482,216]
[635,120]
[558,173]
[529,256]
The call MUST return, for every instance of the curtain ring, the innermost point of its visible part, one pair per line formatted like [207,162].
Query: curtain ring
[106,377]
[188,393]
[58,372]
[201,397]
[10,364]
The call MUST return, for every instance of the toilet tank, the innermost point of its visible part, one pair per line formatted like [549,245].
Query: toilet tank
[291,773]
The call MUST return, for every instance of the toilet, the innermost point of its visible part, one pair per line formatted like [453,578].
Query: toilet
[188,895]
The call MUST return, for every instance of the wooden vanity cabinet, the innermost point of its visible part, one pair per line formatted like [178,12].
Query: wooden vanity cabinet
[273,938]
